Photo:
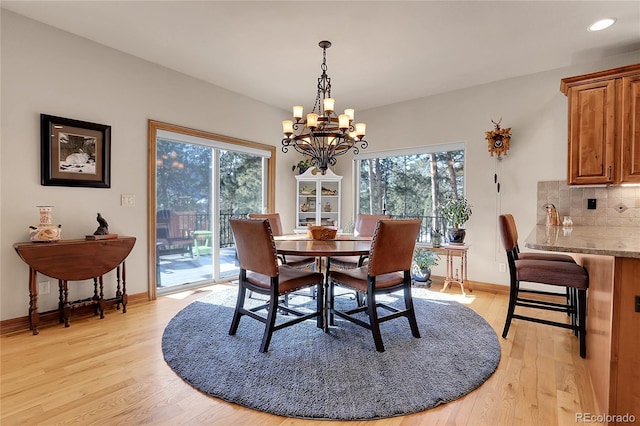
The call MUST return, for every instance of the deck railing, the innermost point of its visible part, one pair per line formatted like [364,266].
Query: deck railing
[202,220]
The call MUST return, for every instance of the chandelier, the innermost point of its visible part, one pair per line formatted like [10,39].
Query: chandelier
[323,135]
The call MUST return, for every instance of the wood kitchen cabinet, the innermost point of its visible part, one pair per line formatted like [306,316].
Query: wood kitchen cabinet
[604,126]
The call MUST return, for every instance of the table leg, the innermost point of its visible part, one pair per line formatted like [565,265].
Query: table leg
[456,278]
[124,288]
[95,298]
[101,298]
[118,292]
[60,301]
[66,306]
[325,301]
[34,315]
[464,271]
[449,273]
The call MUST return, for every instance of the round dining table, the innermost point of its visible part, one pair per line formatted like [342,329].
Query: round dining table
[343,245]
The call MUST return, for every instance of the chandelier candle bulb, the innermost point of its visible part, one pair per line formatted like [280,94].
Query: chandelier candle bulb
[343,121]
[350,112]
[361,129]
[287,127]
[329,104]
[312,120]
[298,112]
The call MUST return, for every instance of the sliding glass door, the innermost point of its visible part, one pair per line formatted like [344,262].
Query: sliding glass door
[200,183]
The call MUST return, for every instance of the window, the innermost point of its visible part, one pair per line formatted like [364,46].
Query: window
[410,183]
[198,182]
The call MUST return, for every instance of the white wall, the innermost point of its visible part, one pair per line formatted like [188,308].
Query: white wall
[45,70]
[536,111]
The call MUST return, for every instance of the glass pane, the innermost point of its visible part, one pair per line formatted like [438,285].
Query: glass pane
[183,219]
[240,194]
[411,186]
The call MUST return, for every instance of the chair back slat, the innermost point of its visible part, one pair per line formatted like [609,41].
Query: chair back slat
[274,221]
[393,245]
[255,245]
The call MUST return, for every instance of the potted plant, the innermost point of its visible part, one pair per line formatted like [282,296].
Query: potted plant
[423,260]
[457,212]
[436,237]
[302,166]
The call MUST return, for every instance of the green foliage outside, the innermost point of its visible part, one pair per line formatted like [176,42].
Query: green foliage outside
[412,185]
[184,179]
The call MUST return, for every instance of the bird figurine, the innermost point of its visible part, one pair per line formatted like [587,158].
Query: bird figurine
[103,229]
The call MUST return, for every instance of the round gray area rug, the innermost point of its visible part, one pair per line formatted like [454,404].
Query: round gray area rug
[313,375]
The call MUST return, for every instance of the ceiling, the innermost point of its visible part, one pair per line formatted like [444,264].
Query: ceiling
[383,51]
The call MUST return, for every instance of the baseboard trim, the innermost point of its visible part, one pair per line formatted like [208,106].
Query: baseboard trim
[53,317]
[474,285]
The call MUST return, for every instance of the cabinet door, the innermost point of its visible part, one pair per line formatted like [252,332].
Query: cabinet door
[591,133]
[630,134]
[329,214]
[307,206]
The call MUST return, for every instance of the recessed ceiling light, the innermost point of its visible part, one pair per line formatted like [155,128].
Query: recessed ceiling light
[602,24]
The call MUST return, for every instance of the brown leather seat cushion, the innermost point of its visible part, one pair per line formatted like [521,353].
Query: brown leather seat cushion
[345,262]
[357,279]
[299,261]
[554,273]
[291,279]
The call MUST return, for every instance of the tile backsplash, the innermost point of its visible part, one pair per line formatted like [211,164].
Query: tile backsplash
[615,205]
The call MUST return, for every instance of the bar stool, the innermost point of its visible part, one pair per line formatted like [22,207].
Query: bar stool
[571,294]
[571,276]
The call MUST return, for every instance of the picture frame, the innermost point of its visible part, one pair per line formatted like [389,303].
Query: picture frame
[75,153]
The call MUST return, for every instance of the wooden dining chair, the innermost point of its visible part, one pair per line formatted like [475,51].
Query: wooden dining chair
[566,275]
[387,271]
[301,262]
[260,272]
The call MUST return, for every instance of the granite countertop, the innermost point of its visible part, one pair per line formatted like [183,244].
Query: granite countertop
[603,240]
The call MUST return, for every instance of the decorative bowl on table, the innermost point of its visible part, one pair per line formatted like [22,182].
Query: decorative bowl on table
[322,232]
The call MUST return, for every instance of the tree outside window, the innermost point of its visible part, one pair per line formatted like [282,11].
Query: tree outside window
[411,185]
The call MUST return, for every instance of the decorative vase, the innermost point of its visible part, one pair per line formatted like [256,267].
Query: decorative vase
[420,274]
[46,231]
[456,235]
[436,240]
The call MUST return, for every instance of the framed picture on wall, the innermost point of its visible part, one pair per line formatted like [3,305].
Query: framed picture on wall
[75,153]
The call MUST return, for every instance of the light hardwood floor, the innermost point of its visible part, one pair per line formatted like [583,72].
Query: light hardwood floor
[111,371]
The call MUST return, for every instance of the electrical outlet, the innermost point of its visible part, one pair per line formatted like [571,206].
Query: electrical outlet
[44,287]
[502,267]
[128,200]
[591,203]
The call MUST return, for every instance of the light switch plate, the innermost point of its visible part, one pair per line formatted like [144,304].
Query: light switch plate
[127,200]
